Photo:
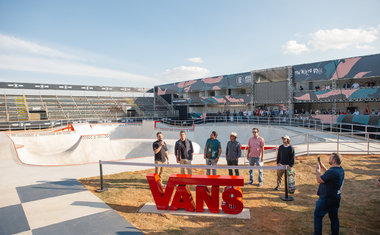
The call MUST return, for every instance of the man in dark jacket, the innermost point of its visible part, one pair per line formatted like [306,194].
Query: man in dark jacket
[285,156]
[183,151]
[233,152]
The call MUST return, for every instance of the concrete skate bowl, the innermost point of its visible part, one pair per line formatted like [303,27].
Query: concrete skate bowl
[91,143]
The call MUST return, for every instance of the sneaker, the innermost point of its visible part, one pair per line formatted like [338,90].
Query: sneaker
[261,184]
[250,182]
[277,188]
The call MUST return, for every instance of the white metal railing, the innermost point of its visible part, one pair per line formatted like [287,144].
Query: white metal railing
[334,142]
[313,124]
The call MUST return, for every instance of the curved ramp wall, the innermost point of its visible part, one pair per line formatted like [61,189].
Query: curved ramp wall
[91,143]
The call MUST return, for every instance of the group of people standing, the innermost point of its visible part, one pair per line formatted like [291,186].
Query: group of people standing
[331,181]
[183,151]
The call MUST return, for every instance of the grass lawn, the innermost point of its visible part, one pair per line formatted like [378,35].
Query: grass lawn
[359,212]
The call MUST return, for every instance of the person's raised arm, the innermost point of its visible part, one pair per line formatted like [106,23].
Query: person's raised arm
[157,150]
[322,166]
[318,174]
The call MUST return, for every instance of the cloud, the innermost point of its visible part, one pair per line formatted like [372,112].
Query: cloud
[195,59]
[343,38]
[16,45]
[338,39]
[20,55]
[63,67]
[293,47]
[182,73]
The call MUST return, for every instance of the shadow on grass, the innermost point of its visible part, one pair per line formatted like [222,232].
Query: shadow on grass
[368,171]
[117,183]
[124,208]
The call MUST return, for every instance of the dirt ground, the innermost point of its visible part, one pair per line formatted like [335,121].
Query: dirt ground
[359,212]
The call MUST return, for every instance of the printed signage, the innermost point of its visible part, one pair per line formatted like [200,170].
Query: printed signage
[183,199]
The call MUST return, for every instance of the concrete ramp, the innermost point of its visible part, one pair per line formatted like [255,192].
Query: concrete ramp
[50,144]
[7,148]
[93,142]
[89,144]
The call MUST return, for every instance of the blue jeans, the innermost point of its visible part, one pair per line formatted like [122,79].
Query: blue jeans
[323,206]
[213,163]
[255,161]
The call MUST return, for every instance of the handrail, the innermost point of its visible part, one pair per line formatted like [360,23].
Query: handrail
[368,131]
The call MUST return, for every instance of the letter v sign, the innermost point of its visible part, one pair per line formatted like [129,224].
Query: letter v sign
[161,197]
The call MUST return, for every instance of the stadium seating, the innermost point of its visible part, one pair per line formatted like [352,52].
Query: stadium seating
[57,107]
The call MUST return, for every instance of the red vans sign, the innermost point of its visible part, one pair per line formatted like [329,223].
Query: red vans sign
[183,199]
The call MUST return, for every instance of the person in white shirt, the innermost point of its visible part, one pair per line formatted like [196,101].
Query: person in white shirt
[355,85]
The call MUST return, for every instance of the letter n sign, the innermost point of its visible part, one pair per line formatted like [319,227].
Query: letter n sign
[183,199]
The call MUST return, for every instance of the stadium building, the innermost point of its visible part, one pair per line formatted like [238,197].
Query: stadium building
[343,90]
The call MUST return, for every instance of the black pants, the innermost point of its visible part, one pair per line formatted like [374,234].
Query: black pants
[232,163]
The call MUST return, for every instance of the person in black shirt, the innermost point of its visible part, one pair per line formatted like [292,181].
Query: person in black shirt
[160,152]
[285,156]
[329,191]
[183,151]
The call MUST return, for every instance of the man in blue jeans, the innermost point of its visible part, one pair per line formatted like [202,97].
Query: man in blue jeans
[330,188]
[255,154]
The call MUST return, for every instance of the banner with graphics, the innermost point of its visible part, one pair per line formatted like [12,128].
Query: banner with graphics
[212,83]
[356,67]
[367,93]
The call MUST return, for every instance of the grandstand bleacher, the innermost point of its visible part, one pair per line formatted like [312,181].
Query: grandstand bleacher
[27,104]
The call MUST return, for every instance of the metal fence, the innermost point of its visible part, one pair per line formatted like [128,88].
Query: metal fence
[368,131]
[313,124]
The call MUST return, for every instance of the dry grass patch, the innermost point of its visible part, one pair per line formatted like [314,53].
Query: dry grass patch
[359,212]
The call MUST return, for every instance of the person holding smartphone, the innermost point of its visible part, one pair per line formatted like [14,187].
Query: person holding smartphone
[329,192]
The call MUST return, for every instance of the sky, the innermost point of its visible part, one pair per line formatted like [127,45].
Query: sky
[143,43]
